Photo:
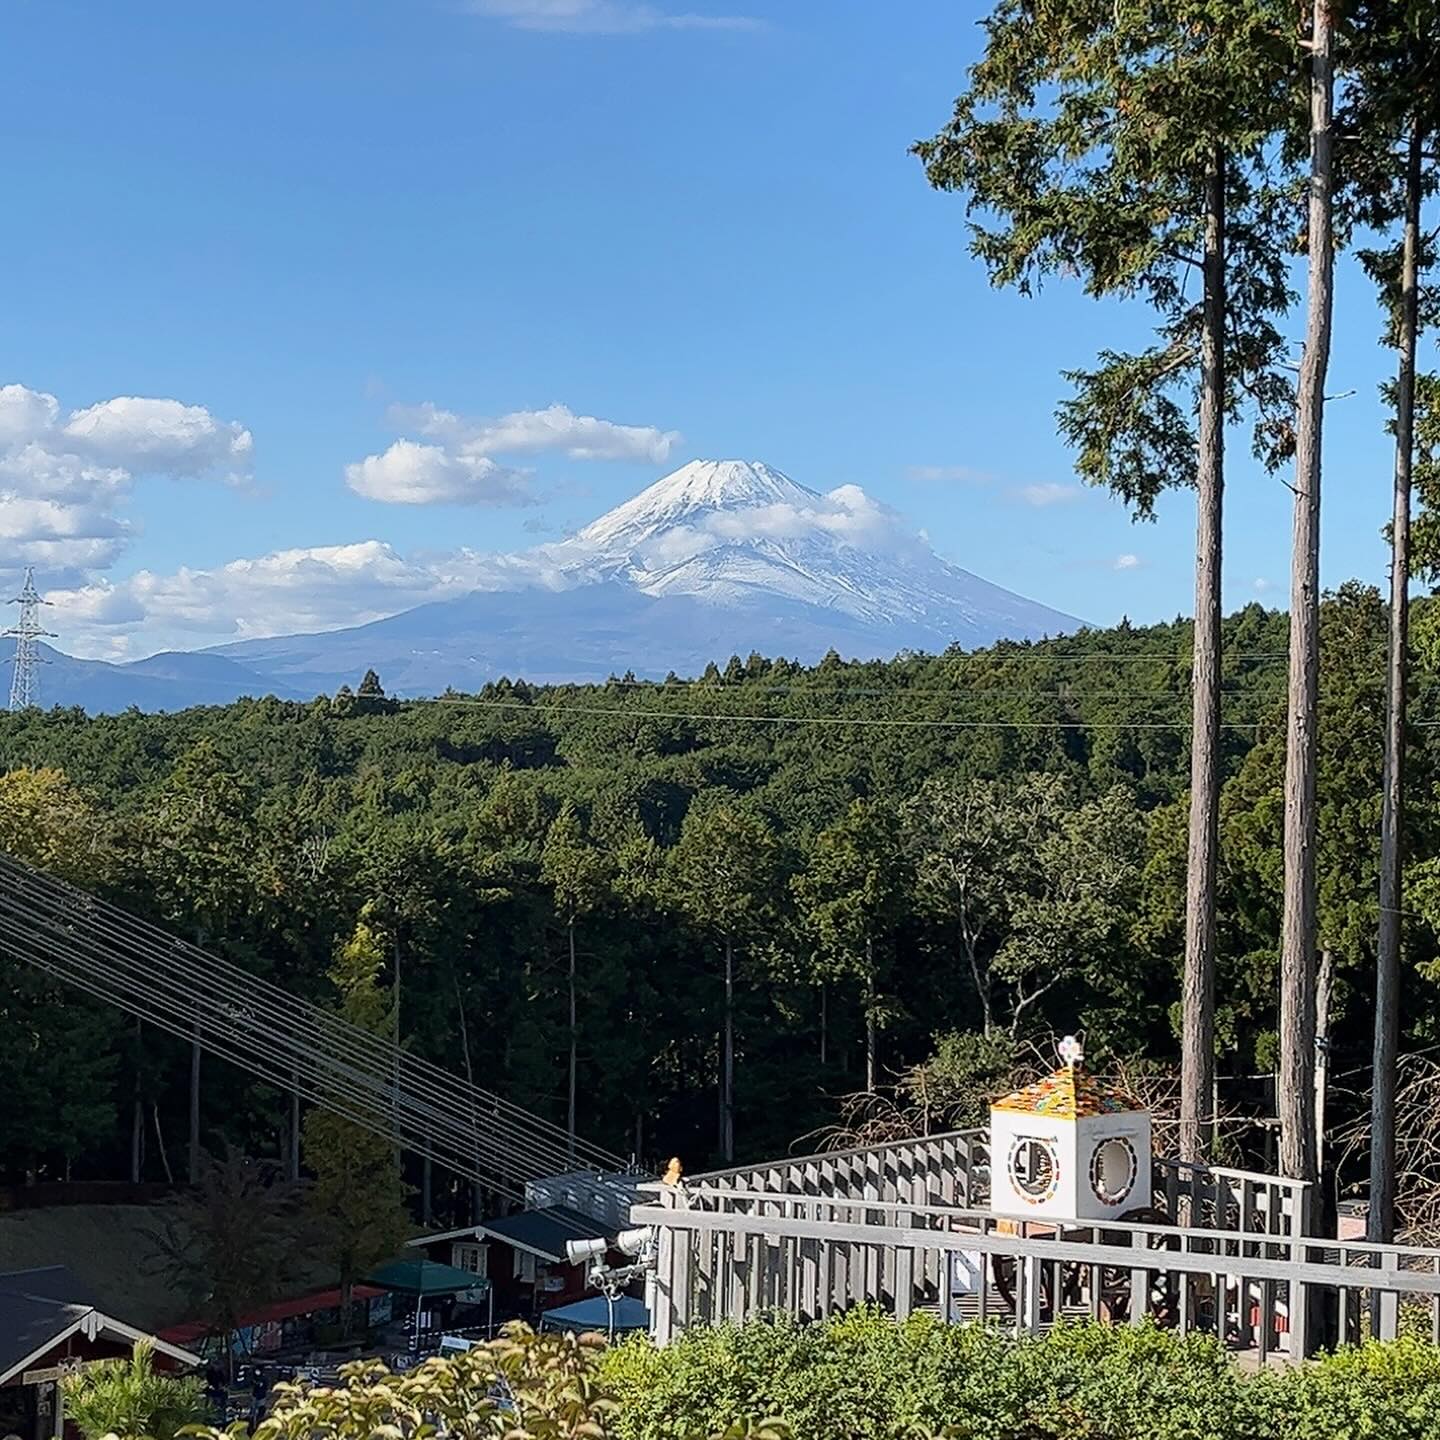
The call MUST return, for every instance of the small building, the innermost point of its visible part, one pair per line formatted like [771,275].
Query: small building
[51,1326]
[522,1256]
[302,1321]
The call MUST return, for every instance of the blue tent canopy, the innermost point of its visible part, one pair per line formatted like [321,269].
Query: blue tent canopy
[594,1314]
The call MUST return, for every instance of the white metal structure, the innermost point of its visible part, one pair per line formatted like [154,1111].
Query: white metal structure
[27,632]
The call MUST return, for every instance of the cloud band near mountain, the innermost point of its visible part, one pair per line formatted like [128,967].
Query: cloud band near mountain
[456,464]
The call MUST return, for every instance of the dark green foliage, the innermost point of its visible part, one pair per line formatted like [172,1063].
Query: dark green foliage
[1082,144]
[229,1245]
[469,836]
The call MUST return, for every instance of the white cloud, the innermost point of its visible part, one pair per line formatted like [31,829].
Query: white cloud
[327,587]
[1126,562]
[847,513]
[64,479]
[958,474]
[412,474]
[1049,493]
[459,467]
[288,591]
[164,436]
[529,432]
[1262,585]
[25,413]
[602,17]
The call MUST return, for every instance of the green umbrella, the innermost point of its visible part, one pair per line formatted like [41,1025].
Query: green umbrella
[425,1277]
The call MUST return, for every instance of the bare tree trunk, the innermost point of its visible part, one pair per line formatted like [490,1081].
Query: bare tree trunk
[1297,927]
[870,1036]
[195,1110]
[160,1145]
[1197,1045]
[824,1024]
[574,1049]
[727,1063]
[1380,1223]
[981,978]
[476,1198]
[1324,989]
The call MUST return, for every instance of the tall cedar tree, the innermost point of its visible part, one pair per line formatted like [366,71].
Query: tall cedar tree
[1130,144]
[1389,127]
[853,896]
[1298,928]
[721,876]
[357,1196]
[578,876]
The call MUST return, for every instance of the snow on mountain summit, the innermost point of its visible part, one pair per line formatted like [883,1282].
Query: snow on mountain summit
[741,534]
[702,485]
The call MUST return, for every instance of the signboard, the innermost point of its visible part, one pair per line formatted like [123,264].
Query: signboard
[56,1372]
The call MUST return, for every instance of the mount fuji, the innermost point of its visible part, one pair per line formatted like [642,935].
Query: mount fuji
[721,557]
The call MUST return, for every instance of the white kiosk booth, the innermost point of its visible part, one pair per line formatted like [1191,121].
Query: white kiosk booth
[1069,1148]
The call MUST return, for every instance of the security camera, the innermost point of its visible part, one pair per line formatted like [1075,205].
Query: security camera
[633,1242]
[577,1252]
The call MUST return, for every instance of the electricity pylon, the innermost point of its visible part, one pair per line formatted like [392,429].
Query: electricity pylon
[27,632]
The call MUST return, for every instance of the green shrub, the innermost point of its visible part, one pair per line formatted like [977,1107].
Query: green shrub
[862,1376]
[1390,1391]
[132,1398]
[865,1376]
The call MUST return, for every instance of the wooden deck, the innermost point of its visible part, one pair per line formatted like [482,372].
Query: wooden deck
[906,1226]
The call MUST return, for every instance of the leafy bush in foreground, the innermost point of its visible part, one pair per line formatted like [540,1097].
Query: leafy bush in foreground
[865,1376]
[862,1376]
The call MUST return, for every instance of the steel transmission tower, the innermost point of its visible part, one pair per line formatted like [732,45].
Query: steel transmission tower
[27,633]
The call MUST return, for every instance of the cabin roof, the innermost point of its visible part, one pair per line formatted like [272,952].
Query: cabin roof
[40,1308]
[543,1232]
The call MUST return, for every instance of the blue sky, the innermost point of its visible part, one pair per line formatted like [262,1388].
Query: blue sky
[696,220]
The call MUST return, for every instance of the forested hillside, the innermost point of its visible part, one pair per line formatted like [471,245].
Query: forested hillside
[984,846]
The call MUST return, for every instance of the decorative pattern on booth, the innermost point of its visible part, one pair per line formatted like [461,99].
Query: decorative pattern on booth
[1068,1094]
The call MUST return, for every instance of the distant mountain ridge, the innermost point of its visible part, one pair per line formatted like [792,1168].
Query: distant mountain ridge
[721,557]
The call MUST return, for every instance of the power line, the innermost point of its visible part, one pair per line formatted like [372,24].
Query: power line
[285,1041]
[836,720]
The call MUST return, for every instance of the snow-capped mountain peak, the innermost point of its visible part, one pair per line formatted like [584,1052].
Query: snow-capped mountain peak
[720,557]
[702,485]
[742,535]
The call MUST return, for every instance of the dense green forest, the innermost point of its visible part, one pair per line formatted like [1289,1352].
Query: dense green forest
[927,862]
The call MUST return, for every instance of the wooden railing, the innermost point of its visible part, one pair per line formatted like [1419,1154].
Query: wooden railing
[948,1169]
[726,1253]
[954,1169]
